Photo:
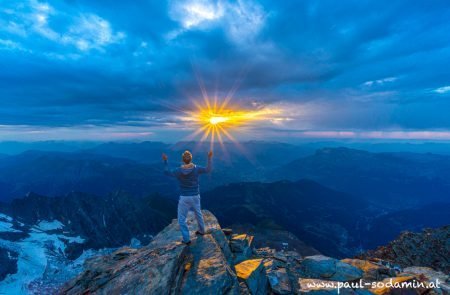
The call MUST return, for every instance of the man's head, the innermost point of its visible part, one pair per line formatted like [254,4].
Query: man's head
[187,157]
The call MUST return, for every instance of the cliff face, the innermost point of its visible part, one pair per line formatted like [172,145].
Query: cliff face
[103,222]
[222,263]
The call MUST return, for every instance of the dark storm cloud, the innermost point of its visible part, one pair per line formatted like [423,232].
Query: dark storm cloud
[357,64]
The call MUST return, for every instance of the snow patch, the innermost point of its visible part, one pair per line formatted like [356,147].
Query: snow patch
[45,225]
[5,217]
[77,239]
[6,224]
[37,254]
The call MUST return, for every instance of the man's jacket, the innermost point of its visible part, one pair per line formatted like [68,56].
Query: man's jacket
[188,177]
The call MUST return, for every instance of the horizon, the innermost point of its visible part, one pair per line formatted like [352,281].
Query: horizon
[80,71]
[10,148]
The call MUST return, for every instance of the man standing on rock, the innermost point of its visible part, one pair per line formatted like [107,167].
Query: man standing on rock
[188,179]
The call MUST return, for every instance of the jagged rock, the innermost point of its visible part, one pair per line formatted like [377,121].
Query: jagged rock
[209,269]
[265,252]
[386,263]
[243,289]
[227,231]
[252,272]
[372,271]
[322,287]
[278,278]
[322,267]
[280,256]
[427,248]
[241,245]
[207,266]
[222,242]
[119,275]
[430,275]
[293,255]
[164,266]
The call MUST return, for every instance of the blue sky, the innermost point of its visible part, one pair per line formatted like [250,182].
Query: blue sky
[122,70]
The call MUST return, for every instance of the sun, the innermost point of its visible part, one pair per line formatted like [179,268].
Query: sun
[216,121]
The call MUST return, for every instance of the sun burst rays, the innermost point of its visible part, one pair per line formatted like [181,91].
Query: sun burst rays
[215,121]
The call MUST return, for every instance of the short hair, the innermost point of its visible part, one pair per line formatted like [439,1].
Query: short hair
[187,157]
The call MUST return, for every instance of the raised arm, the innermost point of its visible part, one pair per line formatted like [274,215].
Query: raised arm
[208,169]
[167,170]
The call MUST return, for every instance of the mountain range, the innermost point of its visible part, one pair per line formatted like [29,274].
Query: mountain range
[333,222]
[395,180]
[59,208]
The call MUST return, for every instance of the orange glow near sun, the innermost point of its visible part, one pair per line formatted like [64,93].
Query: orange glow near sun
[216,122]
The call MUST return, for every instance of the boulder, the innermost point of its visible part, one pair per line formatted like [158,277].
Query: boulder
[278,278]
[264,252]
[239,243]
[241,246]
[252,272]
[372,271]
[280,256]
[322,267]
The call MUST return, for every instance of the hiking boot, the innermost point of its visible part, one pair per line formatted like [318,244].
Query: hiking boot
[199,233]
[186,243]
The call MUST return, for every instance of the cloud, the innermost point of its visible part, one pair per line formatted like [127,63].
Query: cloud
[245,19]
[241,20]
[442,90]
[353,67]
[195,13]
[82,30]
[380,81]
[383,135]
[90,31]
[82,132]
[10,45]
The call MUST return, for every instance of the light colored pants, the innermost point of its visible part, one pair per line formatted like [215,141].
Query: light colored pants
[185,204]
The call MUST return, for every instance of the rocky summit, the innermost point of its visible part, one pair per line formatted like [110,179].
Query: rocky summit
[221,262]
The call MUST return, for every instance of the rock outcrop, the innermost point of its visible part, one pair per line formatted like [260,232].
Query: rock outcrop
[429,248]
[327,268]
[165,266]
[222,263]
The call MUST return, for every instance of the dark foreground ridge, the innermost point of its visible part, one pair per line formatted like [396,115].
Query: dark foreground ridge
[222,263]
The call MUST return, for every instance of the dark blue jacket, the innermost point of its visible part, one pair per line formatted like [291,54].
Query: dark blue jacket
[188,177]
